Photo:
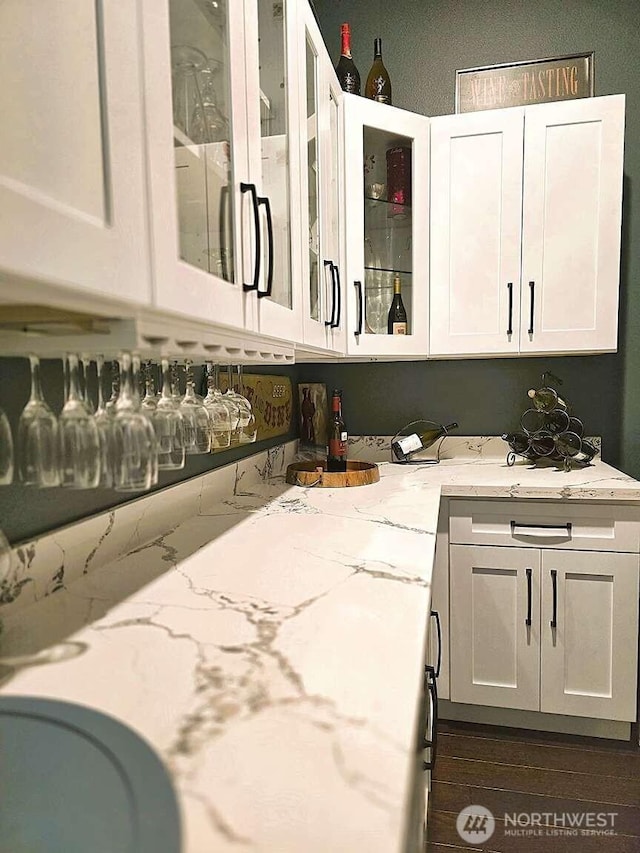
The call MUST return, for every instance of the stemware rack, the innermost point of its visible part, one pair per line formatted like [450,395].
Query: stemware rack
[51,333]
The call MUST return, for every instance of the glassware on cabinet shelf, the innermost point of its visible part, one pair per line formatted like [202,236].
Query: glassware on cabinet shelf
[106,431]
[186,64]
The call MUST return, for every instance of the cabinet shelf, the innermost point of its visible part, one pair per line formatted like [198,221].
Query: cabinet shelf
[372,202]
[386,269]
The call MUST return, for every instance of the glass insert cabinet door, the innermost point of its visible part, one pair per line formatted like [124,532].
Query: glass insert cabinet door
[386,174]
[202,139]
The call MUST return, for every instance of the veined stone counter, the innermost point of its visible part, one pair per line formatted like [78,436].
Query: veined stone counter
[267,640]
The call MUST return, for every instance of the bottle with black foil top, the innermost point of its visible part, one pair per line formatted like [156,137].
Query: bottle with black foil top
[337,458]
[378,86]
[348,75]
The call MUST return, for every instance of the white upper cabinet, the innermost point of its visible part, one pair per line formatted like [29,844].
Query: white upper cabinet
[320,219]
[72,183]
[525,229]
[573,153]
[476,211]
[223,174]
[387,227]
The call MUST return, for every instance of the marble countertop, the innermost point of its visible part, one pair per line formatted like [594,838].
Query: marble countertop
[269,645]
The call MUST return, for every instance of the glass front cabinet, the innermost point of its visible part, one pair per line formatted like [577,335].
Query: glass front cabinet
[321,211]
[387,230]
[222,169]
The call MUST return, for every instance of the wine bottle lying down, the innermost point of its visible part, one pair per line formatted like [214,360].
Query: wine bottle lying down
[404,447]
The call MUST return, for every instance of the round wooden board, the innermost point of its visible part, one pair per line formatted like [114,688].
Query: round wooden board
[313,474]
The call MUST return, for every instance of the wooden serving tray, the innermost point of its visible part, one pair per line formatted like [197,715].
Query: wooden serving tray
[314,474]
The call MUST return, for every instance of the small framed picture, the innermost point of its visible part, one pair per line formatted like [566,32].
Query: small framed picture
[314,414]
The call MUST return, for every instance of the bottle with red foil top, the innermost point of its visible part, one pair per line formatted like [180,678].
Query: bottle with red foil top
[337,458]
[348,75]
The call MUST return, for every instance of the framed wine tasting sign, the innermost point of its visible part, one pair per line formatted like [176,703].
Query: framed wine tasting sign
[514,84]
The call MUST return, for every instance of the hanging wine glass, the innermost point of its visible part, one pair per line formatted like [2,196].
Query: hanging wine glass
[79,437]
[106,431]
[110,405]
[196,419]
[249,430]
[149,402]
[136,461]
[37,437]
[6,451]
[168,425]
[219,413]
[85,362]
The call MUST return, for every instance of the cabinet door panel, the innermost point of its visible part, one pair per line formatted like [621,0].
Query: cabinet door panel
[476,198]
[72,190]
[571,225]
[495,656]
[197,157]
[272,114]
[589,661]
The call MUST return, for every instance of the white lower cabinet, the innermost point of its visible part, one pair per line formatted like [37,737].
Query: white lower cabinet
[542,628]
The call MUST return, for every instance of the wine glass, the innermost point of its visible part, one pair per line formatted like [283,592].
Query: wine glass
[85,361]
[106,432]
[136,459]
[186,64]
[37,437]
[196,418]
[150,399]
[248,428]
[168,425]
[219,413]
[78,436]
[6,451]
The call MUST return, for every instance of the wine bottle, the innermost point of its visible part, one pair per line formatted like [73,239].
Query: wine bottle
[348,75]
[337,458]
[403,448]
[378,86]
[397,318]
[570,445]
[519,443]
[546,399]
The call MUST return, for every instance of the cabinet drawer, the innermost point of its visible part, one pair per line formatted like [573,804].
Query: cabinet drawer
[535,524]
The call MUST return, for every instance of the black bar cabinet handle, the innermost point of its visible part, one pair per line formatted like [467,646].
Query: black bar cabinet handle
[336,270]
[251,188]
[333,294]
[436,616]
[532,291]
[554,584]
[358,287]
[433,740]
[527,621]
[510,289]
[267,207]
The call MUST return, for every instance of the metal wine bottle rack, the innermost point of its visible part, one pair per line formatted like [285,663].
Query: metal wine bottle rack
[51,333]
[547,430]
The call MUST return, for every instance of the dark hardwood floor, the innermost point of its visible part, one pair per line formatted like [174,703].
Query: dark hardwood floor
[512,771]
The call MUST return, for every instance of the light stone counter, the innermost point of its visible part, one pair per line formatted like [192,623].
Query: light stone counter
[266,640]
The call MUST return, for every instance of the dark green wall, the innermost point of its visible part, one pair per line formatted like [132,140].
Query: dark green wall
[424,42]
